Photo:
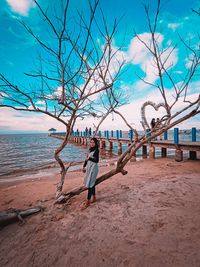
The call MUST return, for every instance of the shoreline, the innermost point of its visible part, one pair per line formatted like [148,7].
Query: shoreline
[46,170]
[52,167]
[43,172]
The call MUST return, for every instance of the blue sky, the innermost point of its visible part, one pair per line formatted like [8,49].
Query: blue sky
[18,51]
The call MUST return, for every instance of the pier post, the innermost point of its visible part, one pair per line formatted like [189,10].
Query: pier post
[144,152]
[165,135]
[164,152]
[107,134]
[117,134]
[120,134]
[148,134]
[194,134]
[102,144]
[110,146]
[151,152]
[193,154]
[131,135]
[119,148]
[178,155]
[178,152]
[86,141]
[81,140]
[176,136]
[112,133]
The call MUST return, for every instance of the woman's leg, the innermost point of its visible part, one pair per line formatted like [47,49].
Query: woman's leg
[90,193]
[94,193]
[86,203]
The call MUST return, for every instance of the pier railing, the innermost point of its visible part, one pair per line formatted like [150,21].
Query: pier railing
[169,140]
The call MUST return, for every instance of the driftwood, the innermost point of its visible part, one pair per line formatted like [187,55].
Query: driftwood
[13,215]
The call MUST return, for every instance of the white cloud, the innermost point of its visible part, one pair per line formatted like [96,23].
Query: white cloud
[39,102]
[136,54]
[57,92]
[31,122]
[188,63]
[140,55]
[190,36]
[117,60]
[2,95]
[21,6]
[132,113]
[174,26]
[27,121]
[178,72]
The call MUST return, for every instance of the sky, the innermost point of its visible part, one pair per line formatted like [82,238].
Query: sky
[18,51]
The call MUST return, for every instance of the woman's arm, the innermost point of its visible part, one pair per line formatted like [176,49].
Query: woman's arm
[85,163]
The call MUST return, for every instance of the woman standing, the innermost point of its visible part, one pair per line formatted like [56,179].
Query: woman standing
[153,124]
[90,167]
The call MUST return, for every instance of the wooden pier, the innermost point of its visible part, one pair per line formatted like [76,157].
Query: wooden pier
[107,142]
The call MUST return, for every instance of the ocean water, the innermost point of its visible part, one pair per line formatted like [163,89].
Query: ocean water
[21,152]
[27,151]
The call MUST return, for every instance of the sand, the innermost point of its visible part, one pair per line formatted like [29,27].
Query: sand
[148,218]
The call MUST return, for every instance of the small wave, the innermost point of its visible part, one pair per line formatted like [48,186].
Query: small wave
[17,173]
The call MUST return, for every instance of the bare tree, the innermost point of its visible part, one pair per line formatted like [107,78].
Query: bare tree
[75,68]
[79,70]
[173,116]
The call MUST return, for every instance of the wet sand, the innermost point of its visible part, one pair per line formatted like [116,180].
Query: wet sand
[148,218]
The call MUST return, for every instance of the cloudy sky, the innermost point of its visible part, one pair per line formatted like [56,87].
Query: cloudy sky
[18,51]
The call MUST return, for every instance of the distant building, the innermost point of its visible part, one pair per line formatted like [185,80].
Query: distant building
[52,130]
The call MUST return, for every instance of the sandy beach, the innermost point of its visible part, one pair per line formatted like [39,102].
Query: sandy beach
[148,218]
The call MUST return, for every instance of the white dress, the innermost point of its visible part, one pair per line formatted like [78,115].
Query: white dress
[91,172]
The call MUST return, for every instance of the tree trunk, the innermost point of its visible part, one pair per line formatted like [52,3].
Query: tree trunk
[13,215]
[60,162]
[66,196]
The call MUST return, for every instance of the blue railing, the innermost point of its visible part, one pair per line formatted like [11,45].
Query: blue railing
[176,135]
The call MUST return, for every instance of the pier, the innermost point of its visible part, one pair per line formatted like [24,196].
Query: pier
[108,139]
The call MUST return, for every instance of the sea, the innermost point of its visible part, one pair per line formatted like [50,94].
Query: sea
[29,151]
[25,152]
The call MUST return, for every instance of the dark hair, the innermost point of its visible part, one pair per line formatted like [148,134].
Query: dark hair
[96,142]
